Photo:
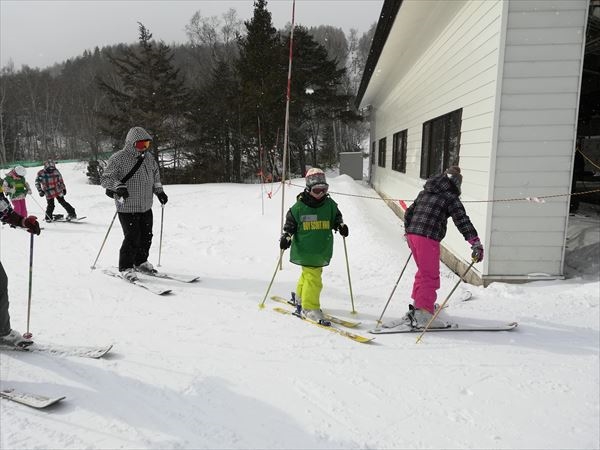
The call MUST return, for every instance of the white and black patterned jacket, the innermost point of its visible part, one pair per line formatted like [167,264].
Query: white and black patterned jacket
[143,184]
[428,215]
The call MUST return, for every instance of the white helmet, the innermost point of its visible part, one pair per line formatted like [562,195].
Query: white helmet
[20,170]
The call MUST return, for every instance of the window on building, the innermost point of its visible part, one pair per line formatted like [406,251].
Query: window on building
[373,152]
[399,151]
[381,155]
[441,143]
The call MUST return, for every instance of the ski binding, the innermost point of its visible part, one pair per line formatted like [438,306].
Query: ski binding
[329,317]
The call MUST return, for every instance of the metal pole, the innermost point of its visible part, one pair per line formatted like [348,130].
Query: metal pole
[162,217]
[41,207]
[262,304]
[27,334]
[261,164]
[104,241]
[349,281]
[393,290]
[444,303]
[287,119]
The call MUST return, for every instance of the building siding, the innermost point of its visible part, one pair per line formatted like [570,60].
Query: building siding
[457,70]
[514,67]
[538,118]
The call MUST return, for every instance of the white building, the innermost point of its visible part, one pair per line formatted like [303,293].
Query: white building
[492,86]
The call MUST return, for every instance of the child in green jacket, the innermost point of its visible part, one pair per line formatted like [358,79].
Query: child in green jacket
[307,229]
[17,188]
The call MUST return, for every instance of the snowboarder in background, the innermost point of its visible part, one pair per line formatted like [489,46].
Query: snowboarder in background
[17,188]
[49,182]
[8,336]
[425,223]
[133,200]
[307,229]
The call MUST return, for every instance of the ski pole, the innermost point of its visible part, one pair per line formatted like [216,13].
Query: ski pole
[444,303]
[162,217]
[27,334]
[40,206]
[393,290]
[262,304]
[104,241]
[348,270]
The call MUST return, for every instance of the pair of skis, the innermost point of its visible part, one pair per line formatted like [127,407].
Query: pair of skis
[154,289]
[399,328]
[407,328]
[332,319]
[41,401]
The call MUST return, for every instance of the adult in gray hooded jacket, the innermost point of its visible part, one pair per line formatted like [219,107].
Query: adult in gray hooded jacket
[133,199]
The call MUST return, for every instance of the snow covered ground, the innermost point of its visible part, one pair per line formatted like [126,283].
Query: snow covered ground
[206,368]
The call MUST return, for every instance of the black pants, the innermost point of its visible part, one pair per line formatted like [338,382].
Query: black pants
[50,208]
[4,316]
[137,229]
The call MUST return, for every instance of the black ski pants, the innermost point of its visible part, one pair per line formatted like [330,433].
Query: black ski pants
[50,208]
[137,229]
[4,316]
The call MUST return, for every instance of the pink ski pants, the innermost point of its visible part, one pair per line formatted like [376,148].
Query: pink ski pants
[20,207]
[426,253]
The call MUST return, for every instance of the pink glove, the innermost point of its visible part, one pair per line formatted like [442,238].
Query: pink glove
[476,249]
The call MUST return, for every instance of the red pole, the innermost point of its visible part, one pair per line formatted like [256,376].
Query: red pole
[287,118]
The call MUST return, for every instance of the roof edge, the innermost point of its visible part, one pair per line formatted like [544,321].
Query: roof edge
[389,10]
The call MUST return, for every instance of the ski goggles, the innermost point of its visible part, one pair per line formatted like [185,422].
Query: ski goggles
[142,145]
[319,189]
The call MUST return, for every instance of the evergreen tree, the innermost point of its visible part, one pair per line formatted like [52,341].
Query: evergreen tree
[262,70]
[147,92]
[317,100]
[214,124]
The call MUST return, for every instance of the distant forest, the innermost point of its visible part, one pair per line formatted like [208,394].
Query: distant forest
[215,105]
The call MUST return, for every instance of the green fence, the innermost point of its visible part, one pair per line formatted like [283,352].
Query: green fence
[104,155]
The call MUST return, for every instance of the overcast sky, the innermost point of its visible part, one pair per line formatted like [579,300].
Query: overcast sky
[40,33]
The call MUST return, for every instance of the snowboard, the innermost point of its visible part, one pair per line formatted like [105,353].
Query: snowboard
[64,219]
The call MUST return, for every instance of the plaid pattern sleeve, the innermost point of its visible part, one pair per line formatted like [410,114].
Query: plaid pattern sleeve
[461,220]
[428,215]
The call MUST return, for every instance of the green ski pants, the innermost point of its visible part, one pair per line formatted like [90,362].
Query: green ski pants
[310,286]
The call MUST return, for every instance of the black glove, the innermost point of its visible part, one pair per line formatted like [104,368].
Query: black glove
[65,191]
[343,229]
[31,224]
[122,191]
[285,241]
[41,193]
[476,249]
[162,198]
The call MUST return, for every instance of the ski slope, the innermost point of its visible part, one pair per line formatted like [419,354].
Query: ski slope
[205,367]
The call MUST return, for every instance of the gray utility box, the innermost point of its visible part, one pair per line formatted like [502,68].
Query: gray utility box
[351,163]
